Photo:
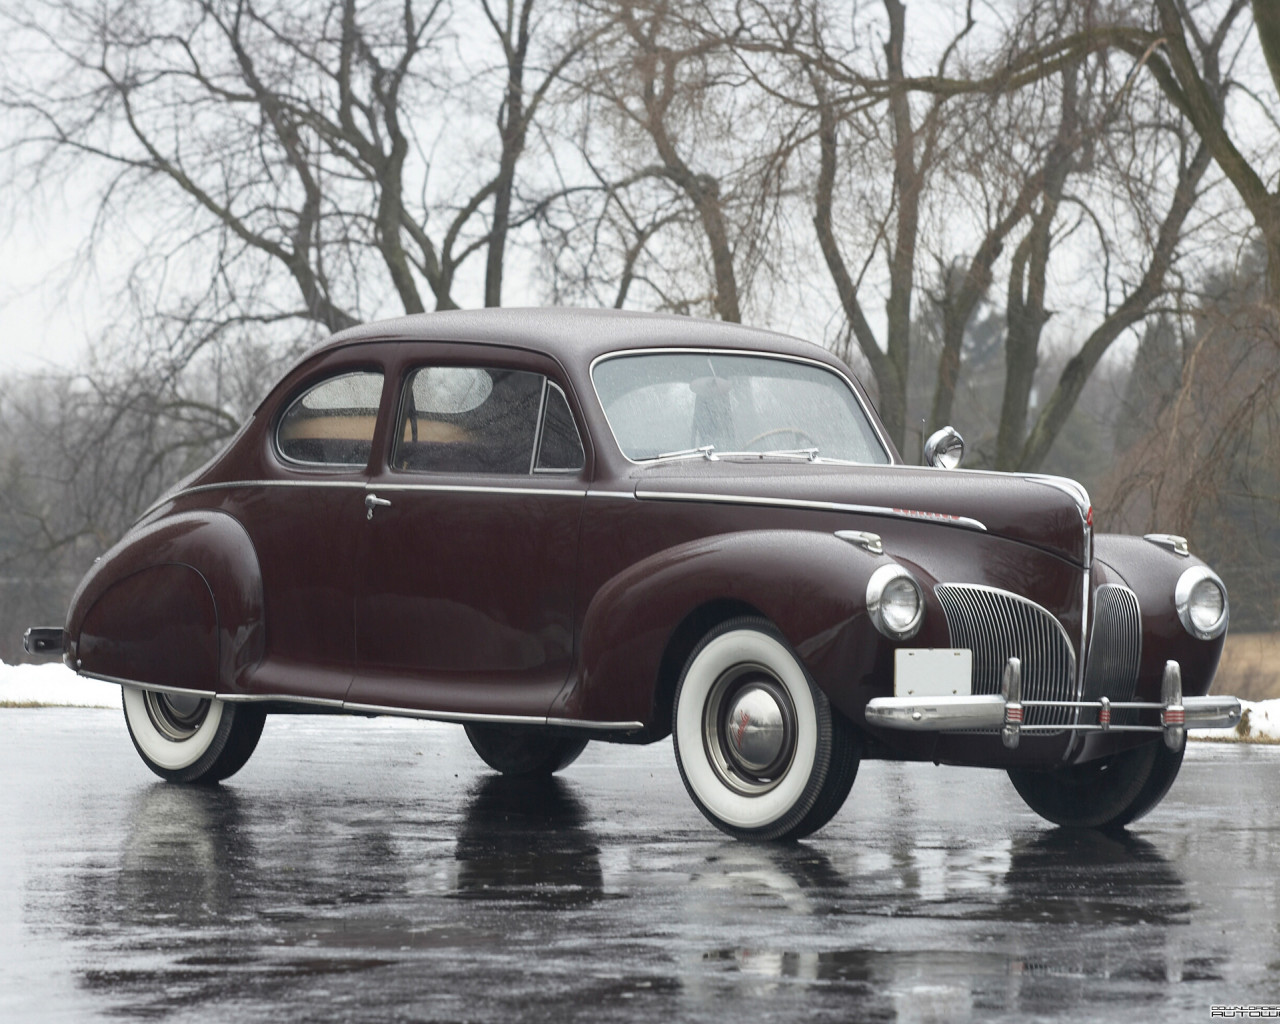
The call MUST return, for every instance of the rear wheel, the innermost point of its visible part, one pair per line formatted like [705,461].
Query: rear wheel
[185,738]
[1108,793]
[759,748]
[524,753]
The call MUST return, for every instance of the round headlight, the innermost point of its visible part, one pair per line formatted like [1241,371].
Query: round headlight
[895,602]
[1201,600]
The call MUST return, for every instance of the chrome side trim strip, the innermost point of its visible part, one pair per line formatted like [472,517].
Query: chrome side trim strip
[821,506]
[230,485]
[376,709]
[576,723]
[202,694]
[283,698]
[234,484]
[441,716]
[466,716]
[557,492]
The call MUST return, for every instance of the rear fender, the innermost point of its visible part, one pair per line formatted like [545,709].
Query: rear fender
[177,603]
[811,585]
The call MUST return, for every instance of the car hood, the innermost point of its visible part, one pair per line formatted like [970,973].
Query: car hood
[1046,512]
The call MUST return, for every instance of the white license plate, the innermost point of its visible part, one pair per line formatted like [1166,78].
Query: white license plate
[932,672]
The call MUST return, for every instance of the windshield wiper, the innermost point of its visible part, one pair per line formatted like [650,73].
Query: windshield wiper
[807,454]
[707,451]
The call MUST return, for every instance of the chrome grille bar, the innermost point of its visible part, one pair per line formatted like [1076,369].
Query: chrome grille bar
[1115,648]
[996,626]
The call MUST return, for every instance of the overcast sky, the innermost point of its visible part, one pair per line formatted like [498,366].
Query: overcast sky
[44,318]
[51,304]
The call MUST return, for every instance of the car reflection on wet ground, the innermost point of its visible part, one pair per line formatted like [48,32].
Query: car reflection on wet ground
[371,870]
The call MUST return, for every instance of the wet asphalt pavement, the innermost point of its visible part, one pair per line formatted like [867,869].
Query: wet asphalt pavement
[374,871]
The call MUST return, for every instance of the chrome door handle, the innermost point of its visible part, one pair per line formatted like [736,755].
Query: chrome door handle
[372,501]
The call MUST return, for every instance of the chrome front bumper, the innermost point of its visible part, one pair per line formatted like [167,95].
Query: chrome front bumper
[1006,711]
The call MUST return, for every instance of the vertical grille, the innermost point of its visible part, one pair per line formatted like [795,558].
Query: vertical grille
[996,626]
[1115,648]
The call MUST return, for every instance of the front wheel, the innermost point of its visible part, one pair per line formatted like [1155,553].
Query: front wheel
[759,748]
[184,738]
[1108,793]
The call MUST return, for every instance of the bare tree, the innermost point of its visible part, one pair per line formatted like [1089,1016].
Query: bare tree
[1205,466]
[1078,147]
[292,142]
[273,172]
[85,451]
[1185,47]
[913,149]
[672,126]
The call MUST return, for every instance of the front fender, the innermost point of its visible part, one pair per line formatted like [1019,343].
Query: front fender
[1152,572]
[811,585]
[177,602]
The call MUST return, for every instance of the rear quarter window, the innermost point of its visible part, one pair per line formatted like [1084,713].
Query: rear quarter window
[332,423]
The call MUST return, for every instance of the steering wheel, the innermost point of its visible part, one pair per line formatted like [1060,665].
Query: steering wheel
[796,431]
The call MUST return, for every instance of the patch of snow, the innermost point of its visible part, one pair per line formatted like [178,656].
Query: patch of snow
[53,685]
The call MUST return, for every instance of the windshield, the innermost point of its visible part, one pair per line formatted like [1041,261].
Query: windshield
[712,405]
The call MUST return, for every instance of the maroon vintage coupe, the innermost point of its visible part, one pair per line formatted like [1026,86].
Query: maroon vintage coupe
[556,526]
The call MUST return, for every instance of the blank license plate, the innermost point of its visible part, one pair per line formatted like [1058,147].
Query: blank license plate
[933,672]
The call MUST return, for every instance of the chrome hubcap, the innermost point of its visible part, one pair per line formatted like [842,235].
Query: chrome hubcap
[749,730]
[176,716]
[755,729]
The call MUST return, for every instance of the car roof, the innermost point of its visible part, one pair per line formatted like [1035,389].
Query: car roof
[573,336]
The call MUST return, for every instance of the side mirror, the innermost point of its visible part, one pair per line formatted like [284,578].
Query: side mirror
[944,449]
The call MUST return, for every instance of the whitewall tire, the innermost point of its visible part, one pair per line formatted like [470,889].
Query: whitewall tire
[190,739]
[758,746]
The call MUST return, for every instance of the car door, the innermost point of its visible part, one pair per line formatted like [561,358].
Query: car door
[304,519]
[469,550]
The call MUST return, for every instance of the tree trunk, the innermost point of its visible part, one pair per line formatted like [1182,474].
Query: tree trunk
[1027,314]
[513,129]
[907,187]
[1075,375]
[890,388]
[1198,96]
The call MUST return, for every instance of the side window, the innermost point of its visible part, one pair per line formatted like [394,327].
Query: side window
[468,419]
[560,447]
[331,424]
